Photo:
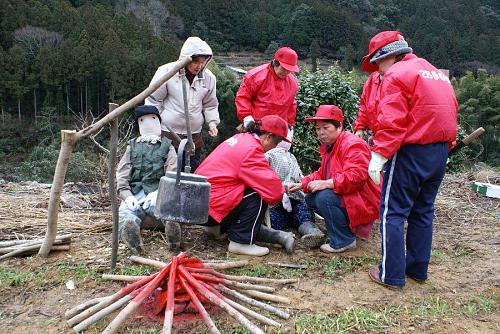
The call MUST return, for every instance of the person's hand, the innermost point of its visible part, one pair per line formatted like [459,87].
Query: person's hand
[132,203]
[212,129]
[247,120]
[360,133]
[150,200]
[293,187]
[375,167]
[317,185]
[287,205]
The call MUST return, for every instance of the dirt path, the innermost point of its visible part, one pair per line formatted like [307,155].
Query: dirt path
[333,295]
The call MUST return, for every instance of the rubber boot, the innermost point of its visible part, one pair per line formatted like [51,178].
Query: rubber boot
[173,232]
[273,236]
[214,232]
[311,235]
[243,249]
[130,235]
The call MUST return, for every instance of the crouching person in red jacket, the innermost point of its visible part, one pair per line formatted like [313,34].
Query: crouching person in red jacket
[242,186]
[340,190]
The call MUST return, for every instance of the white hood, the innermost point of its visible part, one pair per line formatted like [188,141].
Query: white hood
[195,46]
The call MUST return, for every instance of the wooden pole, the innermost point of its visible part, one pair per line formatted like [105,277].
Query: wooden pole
[71,137]
[113,144]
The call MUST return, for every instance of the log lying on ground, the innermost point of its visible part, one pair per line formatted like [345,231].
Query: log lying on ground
[180,282]
[24,247]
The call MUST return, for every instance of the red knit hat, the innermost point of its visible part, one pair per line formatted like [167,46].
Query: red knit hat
[287,58]
[327,112]
[275,125]
[379,40]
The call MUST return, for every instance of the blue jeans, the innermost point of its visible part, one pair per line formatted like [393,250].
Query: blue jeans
[326,203]
[281,219]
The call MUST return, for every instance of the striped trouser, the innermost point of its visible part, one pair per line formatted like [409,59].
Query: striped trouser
[411,182]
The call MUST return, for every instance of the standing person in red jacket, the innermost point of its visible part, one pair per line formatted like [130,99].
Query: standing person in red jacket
[367,114]
[340,190]
[269,89]
[416,126]
[243,184]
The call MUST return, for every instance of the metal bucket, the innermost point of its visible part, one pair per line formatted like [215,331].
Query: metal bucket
[183,197]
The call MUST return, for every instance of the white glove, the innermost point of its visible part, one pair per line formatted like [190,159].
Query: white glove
[375,167]
[287,205]
[360,133]
[132,203]
[247,120]
[150,200]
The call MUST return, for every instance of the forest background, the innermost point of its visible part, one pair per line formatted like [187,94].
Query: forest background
[62,62]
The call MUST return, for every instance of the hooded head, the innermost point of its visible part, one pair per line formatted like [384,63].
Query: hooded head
[199,50]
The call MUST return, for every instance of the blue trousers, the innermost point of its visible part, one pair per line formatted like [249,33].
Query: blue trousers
[411,182]
[281,219]
[326,203]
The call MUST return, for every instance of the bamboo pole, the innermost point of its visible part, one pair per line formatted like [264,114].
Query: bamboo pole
[109,300]
[121,278]
[251,313]
[266,296]
[199,306]
[113,145]
[169,309]
[69,140]
[83,306]
[219,302]
[272,309]
[102,313]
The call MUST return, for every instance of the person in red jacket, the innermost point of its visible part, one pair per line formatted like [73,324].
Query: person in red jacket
[416,126]
[242,186]
[340,190]
[367,114]
[269,89]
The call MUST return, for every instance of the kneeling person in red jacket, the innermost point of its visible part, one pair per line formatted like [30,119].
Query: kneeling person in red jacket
[340,190]
[242,186]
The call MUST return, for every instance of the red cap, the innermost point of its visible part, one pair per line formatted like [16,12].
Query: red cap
[327,112]
[287,58]
[275,125]
[379,40]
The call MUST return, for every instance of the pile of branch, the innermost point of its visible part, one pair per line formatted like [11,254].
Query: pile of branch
[184,284]
[10,248]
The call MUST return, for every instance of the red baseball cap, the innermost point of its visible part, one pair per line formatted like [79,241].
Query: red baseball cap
[275,125]
[327,112]
[287,58]
[379,40]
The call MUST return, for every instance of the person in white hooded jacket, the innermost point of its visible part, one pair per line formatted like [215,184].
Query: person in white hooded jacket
[201,95]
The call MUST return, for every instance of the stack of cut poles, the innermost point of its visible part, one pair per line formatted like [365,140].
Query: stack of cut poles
[10,248]
[189,281]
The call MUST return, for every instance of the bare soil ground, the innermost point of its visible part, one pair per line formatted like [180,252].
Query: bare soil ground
[333,295]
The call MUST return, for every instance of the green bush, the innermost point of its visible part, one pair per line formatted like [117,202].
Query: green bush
[321,87]
[41,164]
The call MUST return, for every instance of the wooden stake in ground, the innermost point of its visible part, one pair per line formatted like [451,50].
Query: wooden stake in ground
[113,146]
[69,140]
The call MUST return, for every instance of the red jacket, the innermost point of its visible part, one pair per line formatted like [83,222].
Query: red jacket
[236,164]
[417,106]
[349,160]
[262,93]
[367,115]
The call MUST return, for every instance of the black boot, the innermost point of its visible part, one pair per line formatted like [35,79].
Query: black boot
[130,235]
[173,232]
[272,236]
[311,235]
